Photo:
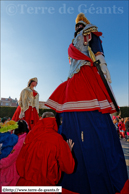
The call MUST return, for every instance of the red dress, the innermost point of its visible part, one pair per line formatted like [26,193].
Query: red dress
[85,91]
[31,115]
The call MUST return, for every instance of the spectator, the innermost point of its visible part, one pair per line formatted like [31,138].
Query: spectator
[116,125]
[11,145]
[123,124]
[126,119]
[4,119]
[44,155]
[22,128]
[8,119]
[113,117]
[117,119]
[121,131]
[127,129]
[7,141]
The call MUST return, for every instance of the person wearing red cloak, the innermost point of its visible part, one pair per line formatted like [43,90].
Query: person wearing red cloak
[28,108]
[44,155]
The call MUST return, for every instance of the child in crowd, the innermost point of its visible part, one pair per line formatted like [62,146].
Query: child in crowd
[116,125]
[12,136]
[121,129]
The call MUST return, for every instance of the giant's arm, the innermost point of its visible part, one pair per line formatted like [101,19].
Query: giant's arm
[20,102]
[37,103]
[97,49]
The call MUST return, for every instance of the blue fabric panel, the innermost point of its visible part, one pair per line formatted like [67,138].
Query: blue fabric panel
[95,44]
[100,164]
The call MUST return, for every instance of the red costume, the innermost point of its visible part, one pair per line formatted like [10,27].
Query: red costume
[83,106]
[85,91]
[121,127]
[44,156]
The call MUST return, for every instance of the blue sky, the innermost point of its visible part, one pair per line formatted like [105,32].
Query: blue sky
[35,36]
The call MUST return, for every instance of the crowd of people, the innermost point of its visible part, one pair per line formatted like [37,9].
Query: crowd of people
[32,152]
[78,148]
[122,126]
[4,119]
[39,156]
[34,158]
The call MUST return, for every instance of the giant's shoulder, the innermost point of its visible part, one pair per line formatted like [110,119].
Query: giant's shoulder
[26,89]
[89,28]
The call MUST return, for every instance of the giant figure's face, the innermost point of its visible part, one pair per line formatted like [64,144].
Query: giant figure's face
[33,84]
[79,26]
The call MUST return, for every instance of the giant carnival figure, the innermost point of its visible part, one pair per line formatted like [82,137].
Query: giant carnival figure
[83,104]
[28,108]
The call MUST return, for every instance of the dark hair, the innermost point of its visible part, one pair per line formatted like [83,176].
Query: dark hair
[79,29]
[4,119]
[79,23]
[48,114]
[117,119]
[22,127]
[31,82]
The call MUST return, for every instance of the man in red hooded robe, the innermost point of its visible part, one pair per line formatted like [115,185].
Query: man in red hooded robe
[44,155]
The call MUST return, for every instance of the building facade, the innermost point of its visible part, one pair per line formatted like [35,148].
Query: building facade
[9,102]
[14,103]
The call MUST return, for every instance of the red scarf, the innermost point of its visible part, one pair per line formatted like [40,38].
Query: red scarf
[74,53]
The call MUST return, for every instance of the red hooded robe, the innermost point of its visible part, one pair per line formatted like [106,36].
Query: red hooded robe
[44,156]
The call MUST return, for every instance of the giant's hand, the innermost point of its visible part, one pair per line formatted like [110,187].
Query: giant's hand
[104,68]
[106,72]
